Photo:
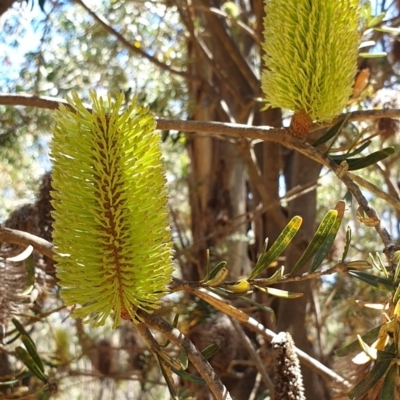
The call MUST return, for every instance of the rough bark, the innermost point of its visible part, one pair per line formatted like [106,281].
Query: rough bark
[292,313]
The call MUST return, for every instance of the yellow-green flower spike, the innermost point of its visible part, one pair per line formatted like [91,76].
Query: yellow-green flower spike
[310,58]
[111,229]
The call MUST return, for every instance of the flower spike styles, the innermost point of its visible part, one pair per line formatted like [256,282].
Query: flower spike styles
[310,58]
[111,230]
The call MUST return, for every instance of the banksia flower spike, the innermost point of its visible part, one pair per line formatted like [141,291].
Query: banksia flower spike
[310,58]
[111,229]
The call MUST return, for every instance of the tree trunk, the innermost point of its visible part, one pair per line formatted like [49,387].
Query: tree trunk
[292,313]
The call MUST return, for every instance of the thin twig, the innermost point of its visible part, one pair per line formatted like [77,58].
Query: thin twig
[202,53]
[248,156]
[132,48]
[371,187]
[280,135]
[255,358]
[339,267]
[195,357]
[14,236]
[29,100]
[231,49]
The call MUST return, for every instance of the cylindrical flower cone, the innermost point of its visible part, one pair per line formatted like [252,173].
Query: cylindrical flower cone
[111,229]
[310,58]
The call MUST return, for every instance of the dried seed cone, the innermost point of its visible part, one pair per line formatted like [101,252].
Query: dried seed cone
[288,380]
[111,228]
[310,55]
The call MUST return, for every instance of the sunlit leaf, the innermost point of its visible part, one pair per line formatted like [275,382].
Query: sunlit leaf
[396,258]
[22,256]
[284,294]
[277,248]
[354,346]
[368,350]
[388,29]
[272,279]
[316,242]
[396,295]
[373,55]
[240,287]
[376,20]
[327,244]
[216,275]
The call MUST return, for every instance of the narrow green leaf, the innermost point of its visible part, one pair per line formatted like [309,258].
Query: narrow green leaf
[170,384]
[277,248]
[373,280]
[175,321]
[208,266]
[341,157]
[13,339]
[397,270]
[389,389]
[30,278]
[214,272]
[370,380]
[272,279]
[24,356]
[182,357]
[382,265]
[385,355]
[333,131]
[374,263]
[22,330]
[346,243]
[221,291]
[373,158]
[209,351]
[284,294]
[366,11]
[9,383]
[31,349]
[376,20]
[189,377]
[217,275]
[368,350]
[261,307]
[319,237]
[388,29]
[373,55]
[354,346]
[396,295]
[327,244]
